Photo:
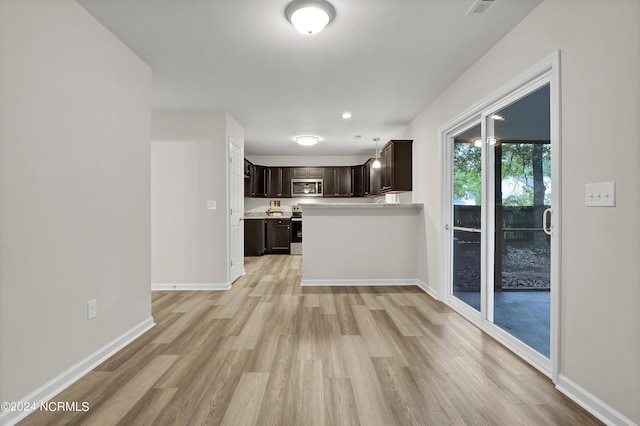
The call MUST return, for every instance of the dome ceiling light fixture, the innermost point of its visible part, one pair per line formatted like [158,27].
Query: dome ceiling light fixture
[307,140]
[310,16]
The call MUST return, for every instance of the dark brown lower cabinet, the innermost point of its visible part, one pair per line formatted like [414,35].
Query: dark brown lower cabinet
[278,236]
[254,238]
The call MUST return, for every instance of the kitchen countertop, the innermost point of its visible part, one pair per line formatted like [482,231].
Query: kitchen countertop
[264,215]
[363,205]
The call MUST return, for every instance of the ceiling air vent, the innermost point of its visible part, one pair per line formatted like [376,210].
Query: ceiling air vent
[479,6]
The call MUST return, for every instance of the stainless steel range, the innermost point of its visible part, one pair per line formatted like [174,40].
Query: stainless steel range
[296,229]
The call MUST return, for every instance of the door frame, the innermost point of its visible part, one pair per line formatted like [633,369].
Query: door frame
[545,72]
[231,142]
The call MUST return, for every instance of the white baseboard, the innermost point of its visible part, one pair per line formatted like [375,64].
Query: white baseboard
[59,383]
[427,289]
[360,282]
[189,286]
[600,409]
[372,282]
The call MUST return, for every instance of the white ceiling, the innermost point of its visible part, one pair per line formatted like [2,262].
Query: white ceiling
[383,60]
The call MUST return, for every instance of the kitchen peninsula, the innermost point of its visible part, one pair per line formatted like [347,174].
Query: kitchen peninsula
[361,243]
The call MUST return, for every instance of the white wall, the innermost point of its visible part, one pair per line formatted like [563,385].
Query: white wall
[189,166]
[359,245]
[235,131]
[600,44]
[74,190]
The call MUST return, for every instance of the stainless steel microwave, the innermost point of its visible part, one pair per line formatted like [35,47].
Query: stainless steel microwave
[306,187]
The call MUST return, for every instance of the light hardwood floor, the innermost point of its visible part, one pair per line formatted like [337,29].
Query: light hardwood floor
[270,352]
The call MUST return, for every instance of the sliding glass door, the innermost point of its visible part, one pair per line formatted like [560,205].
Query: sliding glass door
[467,212]
[519,138]
[500,243]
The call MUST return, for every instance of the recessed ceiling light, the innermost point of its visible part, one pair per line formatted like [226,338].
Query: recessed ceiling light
[310,16]
[346,115]
[307,140]
[497,117]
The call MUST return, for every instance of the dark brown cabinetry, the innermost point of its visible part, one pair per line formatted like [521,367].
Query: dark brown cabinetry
[371,179]
[258,180]
[337,181]
[254,238]
[357,181]
[395,173]
[307,172]
[248,182]
[279,182]
[278,236]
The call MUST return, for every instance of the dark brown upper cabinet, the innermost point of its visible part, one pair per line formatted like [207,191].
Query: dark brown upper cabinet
[258,181]
[396,170]
[371,179]
[248,181]
[357,181]
[279,182]
[337,182]
[348,181]
[307,172]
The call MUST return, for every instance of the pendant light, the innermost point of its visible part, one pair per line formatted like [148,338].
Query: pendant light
[376,162]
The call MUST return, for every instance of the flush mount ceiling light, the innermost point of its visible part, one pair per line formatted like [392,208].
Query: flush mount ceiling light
[310,16]
[307,140]
[346,115]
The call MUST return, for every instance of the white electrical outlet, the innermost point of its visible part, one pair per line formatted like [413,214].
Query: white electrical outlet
[602,194]
[92,309]
[212,205]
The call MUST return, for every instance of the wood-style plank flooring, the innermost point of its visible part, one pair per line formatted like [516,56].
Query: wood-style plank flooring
[270,352]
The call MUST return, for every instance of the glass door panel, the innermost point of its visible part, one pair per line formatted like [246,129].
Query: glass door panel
[522,250]
[467,211]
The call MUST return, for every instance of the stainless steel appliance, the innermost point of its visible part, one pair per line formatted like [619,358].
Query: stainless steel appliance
[296,230]
[306,187]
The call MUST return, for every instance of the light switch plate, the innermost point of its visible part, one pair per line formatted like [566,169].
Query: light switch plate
[92,309]
[212,205]
[601,194]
